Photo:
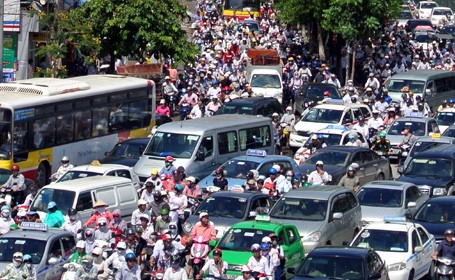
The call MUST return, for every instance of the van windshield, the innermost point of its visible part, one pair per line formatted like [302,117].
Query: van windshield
[63,198]
[172,144]
[265,81]
[396,85]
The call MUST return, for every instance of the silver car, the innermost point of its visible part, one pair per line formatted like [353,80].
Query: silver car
[380,199]
[324,215]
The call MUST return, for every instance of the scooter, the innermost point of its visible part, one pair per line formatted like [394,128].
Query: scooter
[71,269]
[198,253]
[404,150]
[445,268]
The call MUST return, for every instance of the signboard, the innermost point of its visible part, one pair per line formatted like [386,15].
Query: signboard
[12,20]
[9,51]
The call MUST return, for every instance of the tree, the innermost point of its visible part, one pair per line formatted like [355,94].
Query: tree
[132,27]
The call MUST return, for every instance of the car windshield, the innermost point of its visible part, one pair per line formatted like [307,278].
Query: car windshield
[416,128]
[382,240]
[395,85]
[437,212]
[442,12]
[328,139]
[421,146]
[128,150]
[10,245]
[321,115]
[63,198]
[317,92]
[300,209]
[405,15]
[172,144]
[227,207]
[377,197]
[428,5]
[265,81]
[445,118]
[235,109]
[422,37]
[238,168]
[332,267]
[241,239]
[76,174]
[329,158]
[430,168]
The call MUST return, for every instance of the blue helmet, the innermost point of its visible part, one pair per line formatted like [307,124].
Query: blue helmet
[130,256]
[265,246]
[179,188]
[272,171]
[303,63]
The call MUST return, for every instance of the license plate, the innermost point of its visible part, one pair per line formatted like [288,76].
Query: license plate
[231,276]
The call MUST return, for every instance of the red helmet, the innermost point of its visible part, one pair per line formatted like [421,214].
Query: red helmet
[15,167]
[169,159]
[219,170]
[217,251]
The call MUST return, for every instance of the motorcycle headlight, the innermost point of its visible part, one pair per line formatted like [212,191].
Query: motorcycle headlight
[397,266]
[439,191]
[187,226]
[314,237]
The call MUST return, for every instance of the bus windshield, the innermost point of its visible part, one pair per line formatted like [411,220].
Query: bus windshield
[5,134]
[172,144]
[245,5]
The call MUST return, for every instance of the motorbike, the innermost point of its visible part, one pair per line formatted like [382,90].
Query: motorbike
[198,253]
[445,268]
[70,273]
[184,111]
[404,151]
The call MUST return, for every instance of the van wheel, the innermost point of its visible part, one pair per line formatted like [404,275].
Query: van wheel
[380,177]
[411,275]
[328,243]
[42,175]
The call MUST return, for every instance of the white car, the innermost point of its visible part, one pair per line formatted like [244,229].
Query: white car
[406,247]
[98,169]
[440,14]
[320,116]
[425,7]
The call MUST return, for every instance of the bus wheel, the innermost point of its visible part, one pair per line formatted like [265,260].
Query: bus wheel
[41,177]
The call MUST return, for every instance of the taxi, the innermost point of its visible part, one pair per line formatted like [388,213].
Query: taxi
[237,241]
[406,247]
[50,248]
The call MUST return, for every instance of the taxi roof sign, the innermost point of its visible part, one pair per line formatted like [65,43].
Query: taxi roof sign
[394,219]
[257,153]
[262,218]
[33,226]
[95,163]
[435,135]
[336,126]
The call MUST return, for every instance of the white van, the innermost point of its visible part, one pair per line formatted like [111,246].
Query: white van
[201,145]
[82,194]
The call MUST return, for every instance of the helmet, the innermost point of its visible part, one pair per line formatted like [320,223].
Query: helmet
[449,231]
[15,167]
[272,171]
[191,179]
[169,159]
[350,168]
[219,170]
[382,134]
[290,173]
[217,251]
[164,211]
[255,247]
[154,171]
[156,194]
[72,212]
[179,188]
[265,246]
[65,159]
[130,256]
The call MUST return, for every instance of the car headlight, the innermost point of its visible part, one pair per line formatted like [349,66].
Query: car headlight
[314,237]
[397,266]
[439,191]
[187,226]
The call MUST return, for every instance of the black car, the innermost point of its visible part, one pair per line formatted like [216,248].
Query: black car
[432,170]
[437,214]
[332,262]
[413,23]
[448,29]
[127,152]
[314,92]
[337,158]
[264,106]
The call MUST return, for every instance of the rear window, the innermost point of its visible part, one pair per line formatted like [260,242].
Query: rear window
[317,92]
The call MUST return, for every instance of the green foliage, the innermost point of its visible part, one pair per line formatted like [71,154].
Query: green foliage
[130,27]
[301,11]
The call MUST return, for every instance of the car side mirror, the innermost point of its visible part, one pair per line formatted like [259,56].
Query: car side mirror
[200,156]
[337,216]
[418,249]
[291,270]
[412,204]
[53,261]
[400,170]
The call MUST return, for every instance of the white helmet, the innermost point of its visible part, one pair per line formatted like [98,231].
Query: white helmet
[65,161]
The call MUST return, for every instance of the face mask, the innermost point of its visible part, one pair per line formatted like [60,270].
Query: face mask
[121,252]
[29,265]
[103,228]
[5,214]
[289,178]
[264,253]
[17,263]
[100,209]
[274,243]
[72,218]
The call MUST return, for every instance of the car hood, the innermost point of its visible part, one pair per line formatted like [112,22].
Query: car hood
[394,139]
[208,181]
[393,257]
[118,160]
[420,181]
[377,214]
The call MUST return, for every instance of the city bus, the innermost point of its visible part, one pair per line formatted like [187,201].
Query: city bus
[44,119]
[242,9]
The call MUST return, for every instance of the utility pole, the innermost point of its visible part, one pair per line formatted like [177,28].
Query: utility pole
[2,16]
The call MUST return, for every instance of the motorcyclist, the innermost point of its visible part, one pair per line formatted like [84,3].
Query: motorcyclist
[169,89]
[319,176]
[354,140]
[177,202]
[65,167]
[163,109]
[15,270]
[272,258]
[246,273]
[203,227]
[350,179]
[141,209]
[80,252]
[103,232]
[162,222]
[115,261]
[100,211]
[129,270]
[446,248]
[162,255]
[147,192]
[54,217]
[219,180]
[87,271]
[168,167]
[155,179]
[407,142]
[15,183]
[98,259]
[117,222]
[375,122]
[157,204]
[215,267]
[29,198]
[192,190]
[30,267]
[73,224]
[382,145]
[362,127]
[6,222]
[257,262]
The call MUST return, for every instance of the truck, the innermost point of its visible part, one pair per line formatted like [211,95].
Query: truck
[264,73]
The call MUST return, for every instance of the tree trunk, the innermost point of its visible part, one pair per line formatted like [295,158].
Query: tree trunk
[348,62]
[353,63]
[320,42]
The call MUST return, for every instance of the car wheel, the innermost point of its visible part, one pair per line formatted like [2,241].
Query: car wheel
[42,175]
[411,275]
[380,177]
[293,149]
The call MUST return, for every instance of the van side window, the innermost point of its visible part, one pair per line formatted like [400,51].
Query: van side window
[254,138]
[227,142]
[443,84]
[68,245]
[207,146]
[107,195]
[84,201]
[125,194]
[123,173]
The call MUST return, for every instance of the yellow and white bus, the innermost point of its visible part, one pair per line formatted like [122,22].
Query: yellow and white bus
[44,119]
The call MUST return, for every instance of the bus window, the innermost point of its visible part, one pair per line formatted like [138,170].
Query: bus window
[100,122]
[65,127]
[44,133]
[20,137]
[138,115]
[119,117]
[82,127]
